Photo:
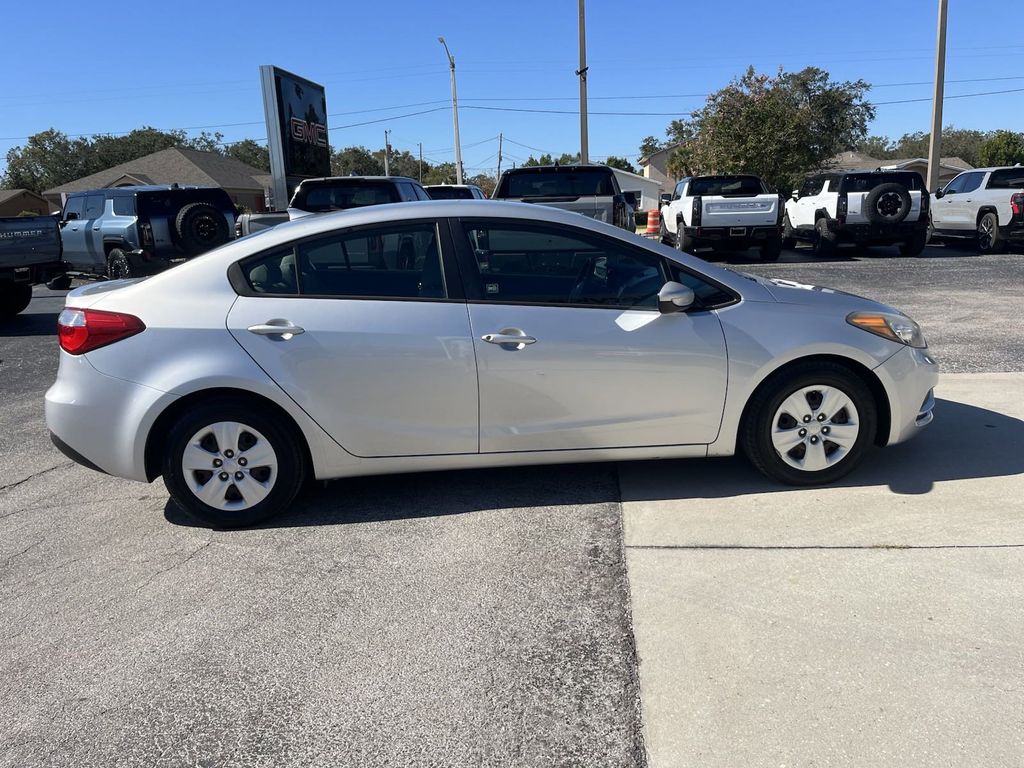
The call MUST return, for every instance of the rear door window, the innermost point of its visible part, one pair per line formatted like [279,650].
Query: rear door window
[93,206]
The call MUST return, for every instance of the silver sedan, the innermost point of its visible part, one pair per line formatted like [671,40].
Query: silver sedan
[453,334]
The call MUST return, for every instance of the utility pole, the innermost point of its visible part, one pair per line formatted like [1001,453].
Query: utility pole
[582,73]
[455,114]
[935,142]
[421,162]
[499,157]
[387,154]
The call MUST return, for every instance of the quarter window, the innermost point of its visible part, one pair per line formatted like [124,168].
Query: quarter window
[124,206]
[530,265]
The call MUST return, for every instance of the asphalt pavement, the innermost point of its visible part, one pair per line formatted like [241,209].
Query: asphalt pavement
[461,618]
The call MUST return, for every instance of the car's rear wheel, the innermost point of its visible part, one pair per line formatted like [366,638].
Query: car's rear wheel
[14,297]
[684,243]
[229,466]
[824,242]
[118,266]
[810,424]
[989,239]
[788,236]
[915,246]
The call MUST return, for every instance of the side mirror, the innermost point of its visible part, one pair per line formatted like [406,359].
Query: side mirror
[940,193]
[71,216]
[666,198]
[796,194]
[675,297]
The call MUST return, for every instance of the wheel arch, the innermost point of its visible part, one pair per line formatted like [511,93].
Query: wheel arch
[865,374]
[987,209]
[156,440]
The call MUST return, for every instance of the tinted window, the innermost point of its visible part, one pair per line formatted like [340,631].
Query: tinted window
[972,181]
[450,193]
[557,183]
[727,186]
[93,206]
[75,205]
[524,264]
[274,273]
[812,186]
[678,192]
[337,197]
[1008,178]
[395,262]
[421,194]
[957,184]
[865,182]
[124,206]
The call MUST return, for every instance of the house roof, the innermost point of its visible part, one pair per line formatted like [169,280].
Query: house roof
[10,194]
[646,160]
[953,163]
[191,167]
[852,161]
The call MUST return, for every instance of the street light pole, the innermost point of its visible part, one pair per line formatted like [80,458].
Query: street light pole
[582,73]
[455,114]
[387,154]
[935,141]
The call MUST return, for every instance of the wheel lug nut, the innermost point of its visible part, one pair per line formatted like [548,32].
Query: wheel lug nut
[241,461]
[814,440]
[223,475]
[803,433]
[239,475]
[806,419]
[824,430]
[217,462]
[821,417]
[229,453]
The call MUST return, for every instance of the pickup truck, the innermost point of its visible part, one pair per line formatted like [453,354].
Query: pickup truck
[335,193]
[29,253]
[725,212]
[591,190]
[985,205]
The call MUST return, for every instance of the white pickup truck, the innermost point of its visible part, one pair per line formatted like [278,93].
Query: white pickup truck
[727,213]
[986,204]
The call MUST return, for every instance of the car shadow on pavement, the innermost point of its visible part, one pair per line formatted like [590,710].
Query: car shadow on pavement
[383,498]
[963,442]
[35,324]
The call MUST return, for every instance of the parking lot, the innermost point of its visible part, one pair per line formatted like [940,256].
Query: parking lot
[670,613]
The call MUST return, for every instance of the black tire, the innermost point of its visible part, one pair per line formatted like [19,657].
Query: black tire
[118,265]
[916,246]
[771,250]
[989,238]
[824,241]
[887,204]
[286,443]
[14,298]
[788,238]
[684,242]
[200,227]
[663,234]
[59,283]
[757,428]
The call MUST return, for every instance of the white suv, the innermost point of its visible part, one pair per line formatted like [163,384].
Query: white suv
[859,207]
[986,204]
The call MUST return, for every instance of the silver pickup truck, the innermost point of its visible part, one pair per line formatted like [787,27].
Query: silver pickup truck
[591,190]
[30,253]
[724,212]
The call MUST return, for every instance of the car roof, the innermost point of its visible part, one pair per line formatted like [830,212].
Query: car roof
[566,168]
[336,179]
[450,186]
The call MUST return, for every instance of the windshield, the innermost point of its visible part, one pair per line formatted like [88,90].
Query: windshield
[557,183]
[343,195]
[727,186]
[865,182]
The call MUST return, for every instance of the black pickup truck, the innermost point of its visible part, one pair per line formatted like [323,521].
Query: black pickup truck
[30,253]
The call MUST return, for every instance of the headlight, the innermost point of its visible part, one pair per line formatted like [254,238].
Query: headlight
[898,328]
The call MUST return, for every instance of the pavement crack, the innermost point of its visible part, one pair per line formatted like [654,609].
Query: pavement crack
[33,476]
[31,546]
[194,553]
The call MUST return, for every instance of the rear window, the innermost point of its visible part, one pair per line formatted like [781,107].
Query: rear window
[1009,178]
[727,186]
[558,183]
[450,193]
[340,196]
[124,206]
[865,182]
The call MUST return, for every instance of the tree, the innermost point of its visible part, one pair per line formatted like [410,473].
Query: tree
[356,161]
[48,159]
[485,182]
[621,163]
[251,152]
[964,143]
[442,173]
[878,147]
[778,127]
[649,145]
[401,163]
[1002,148]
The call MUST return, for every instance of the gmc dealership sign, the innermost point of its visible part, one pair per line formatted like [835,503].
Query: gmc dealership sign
[296,114]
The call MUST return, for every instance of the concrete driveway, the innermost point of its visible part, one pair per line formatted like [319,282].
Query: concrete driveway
[874,623]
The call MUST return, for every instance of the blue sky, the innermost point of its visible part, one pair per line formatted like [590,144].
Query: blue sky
[113,66]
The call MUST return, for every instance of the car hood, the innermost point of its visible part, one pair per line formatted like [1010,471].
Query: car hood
[792,292]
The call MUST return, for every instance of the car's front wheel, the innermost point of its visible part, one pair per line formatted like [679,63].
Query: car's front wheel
[810,424]
[118,265]
[229,465]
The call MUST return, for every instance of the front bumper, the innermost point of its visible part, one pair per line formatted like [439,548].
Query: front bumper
[877,234]
[100,421]
[909,378]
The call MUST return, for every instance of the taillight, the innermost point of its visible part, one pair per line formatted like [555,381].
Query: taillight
[1017,204]
[698,207]
[842,208]
[83,330]
[146,231]
[926,201]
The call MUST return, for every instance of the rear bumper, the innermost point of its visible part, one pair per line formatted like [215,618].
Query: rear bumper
[733,237]
[909,378]
[1014,232]
[879,234]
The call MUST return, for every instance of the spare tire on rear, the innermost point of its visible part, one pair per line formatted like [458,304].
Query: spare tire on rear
[200,227]
[887,204]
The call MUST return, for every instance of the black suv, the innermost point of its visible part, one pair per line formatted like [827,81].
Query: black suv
[592,190]
[130,231]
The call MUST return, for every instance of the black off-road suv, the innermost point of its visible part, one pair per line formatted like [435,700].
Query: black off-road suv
[132,231]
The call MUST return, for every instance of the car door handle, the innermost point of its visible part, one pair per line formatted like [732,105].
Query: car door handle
[504,337]
[95,229]
[282,328]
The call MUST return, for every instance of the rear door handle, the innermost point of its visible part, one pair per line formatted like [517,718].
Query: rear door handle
[276,327]
[508,336]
